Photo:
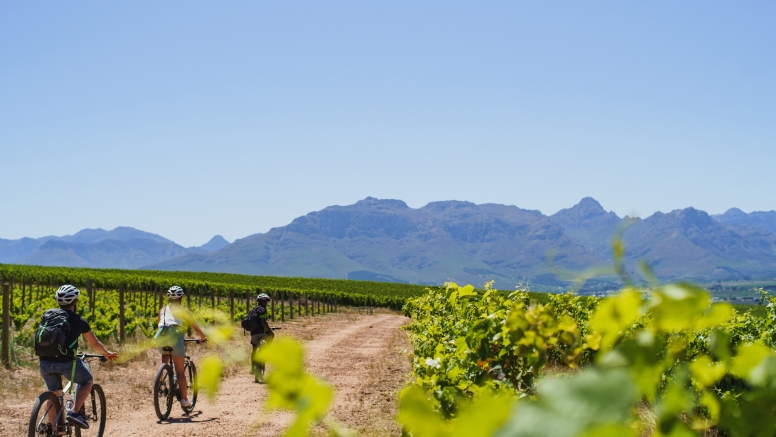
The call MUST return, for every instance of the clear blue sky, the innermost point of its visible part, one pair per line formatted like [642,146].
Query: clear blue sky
[190,119]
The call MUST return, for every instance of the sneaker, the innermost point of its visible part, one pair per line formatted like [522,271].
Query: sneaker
[78,419]
[185,403]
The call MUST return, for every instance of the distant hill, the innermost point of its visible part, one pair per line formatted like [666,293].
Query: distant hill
[120,254]
[689,244]
[122,247]
[758,219]
[386,240]
[12,251]
[215,243]
[121,233]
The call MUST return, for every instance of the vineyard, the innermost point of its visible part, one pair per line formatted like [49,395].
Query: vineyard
[663,362]
[123,304]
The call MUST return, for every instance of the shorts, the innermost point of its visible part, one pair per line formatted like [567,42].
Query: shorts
[257,338]
[256,343]
[52,373]
[170,336]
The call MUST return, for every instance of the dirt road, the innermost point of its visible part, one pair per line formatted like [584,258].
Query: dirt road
[359,355]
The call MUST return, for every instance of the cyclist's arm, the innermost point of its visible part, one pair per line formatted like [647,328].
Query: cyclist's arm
[97,345]
[194,326]
[199,331]
[267,329]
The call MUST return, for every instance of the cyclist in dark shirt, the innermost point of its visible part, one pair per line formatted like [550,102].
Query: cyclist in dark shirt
[53,368]
[263,332]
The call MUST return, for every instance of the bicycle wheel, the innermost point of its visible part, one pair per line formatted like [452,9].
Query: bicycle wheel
[190,370]
[163,391]
[94,411]
[40,420]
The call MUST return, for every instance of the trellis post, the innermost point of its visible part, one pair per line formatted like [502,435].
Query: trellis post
[231,303]
[121,313]
[6,324]
[273,305]
[90,295]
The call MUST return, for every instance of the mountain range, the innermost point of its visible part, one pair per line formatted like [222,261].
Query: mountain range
[461,241]
[122,247]
[386,240]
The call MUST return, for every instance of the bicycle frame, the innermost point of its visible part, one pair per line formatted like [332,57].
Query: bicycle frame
[62,426]
[171,391]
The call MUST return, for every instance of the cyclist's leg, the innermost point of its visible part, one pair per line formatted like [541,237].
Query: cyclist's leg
[177,362]
[254,363]
[83,377]
[53,378]
[256,341]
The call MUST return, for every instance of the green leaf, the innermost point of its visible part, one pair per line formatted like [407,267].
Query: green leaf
[678,307]
[484,416]
[570,407]
[418,416]
[291,387]
[705,372]
[209,377]
[466,291]
[748,357]
[614,315]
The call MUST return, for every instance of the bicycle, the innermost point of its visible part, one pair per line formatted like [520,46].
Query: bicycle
[93,409]
[259,367]
[166,389]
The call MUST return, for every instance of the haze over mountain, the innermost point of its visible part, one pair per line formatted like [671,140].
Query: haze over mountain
[122,247]
[452,240]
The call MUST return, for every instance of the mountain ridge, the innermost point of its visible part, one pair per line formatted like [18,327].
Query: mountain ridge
[385,239]
[121,247]
[466,242]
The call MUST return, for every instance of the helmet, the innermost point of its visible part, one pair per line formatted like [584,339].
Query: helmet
[263,296]
[175,292]
[66,294]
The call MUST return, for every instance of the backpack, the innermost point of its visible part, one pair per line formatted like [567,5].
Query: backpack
[250,322]
[50,336]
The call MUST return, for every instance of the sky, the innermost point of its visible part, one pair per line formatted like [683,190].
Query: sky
[190,119]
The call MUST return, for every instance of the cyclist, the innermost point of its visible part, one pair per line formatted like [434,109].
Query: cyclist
[52,368]
[262,331]
[170,333]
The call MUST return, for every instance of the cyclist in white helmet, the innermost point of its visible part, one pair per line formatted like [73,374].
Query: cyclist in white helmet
[172,320]
[56,361]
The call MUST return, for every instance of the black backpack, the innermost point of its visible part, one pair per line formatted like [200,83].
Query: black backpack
[250,322]
[50,336]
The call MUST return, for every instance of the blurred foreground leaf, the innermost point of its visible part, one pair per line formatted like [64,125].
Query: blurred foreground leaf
[592,403]
[292,388]
[480,418]
[209,377]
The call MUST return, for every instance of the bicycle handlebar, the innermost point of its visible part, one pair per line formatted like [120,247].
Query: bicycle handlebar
[195,340]
[85,356]
[275,328]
